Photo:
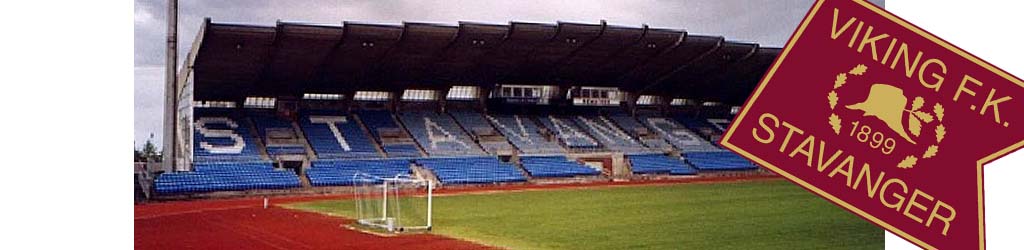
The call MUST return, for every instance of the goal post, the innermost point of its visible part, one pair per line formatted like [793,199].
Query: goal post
[393,204]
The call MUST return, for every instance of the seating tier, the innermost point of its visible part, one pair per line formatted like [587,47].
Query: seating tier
[525,134]
[401,150]
[555,166]
[678,135]
[567,131]
[343,172]
[380,120]
[465,170]
[702,127]
[718,160]
[223,138]
[226,176]
[439,134]
[345,140]
[474,121]
[609,134]
[631,125]
[659,164]
[225,158]
[266,123]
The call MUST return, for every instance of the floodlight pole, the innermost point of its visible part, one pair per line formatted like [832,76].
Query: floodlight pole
[170,87]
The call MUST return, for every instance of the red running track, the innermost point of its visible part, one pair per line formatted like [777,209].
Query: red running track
[252,227]
[245,224]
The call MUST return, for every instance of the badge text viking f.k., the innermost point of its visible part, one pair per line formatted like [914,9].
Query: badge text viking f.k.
[885,120]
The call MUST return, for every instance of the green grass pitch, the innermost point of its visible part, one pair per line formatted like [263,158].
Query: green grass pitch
[735,215]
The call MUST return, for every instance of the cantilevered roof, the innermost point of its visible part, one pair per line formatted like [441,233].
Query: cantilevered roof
[233,61]
[689,77]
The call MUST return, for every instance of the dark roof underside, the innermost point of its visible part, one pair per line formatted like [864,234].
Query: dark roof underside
[235,61]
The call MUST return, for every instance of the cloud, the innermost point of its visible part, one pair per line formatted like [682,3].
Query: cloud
[149,94]
[768,22]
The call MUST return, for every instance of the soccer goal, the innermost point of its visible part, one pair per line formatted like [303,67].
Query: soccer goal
[393,204]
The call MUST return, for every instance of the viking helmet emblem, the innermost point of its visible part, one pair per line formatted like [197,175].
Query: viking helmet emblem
[886,102]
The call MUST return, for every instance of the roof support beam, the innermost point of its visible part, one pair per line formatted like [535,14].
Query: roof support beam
[613,55]
[561,61]
[319,75]
[664,77]
[375,73]
[490,81]
[264,72]
[682,39]
[525,56]
[703,83]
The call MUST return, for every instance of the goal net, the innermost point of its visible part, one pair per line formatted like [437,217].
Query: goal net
[393,204]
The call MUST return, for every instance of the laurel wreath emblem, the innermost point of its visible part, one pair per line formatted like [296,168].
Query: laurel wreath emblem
[917,118]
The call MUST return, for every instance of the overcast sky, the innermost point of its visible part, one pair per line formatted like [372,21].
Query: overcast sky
[767,22]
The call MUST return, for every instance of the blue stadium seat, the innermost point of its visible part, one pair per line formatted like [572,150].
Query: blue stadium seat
[439,134]
[704,127]
[223,138]
[402,150]
[694,123]
[631,125]
[466,170]
[225,158]
[265,122]
[718,160]
[567,131]
[342,172]
[659,164]
[375,120]
[524,134]
[471,121]
[226,176]
[678,135]
[346,140]
[555,166]
[609,134]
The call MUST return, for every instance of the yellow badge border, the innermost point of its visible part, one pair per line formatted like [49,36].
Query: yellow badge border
[768,76]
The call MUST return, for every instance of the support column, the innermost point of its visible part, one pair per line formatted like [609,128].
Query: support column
[441,98]
[171,88]
[629,102]
[665,105]
[485,94]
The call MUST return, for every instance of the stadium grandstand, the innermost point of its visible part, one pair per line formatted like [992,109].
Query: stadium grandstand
[302,106]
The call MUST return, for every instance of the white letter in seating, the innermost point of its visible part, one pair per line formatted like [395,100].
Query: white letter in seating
[521,134]
[432,126]
[674,133]
[566,132]
[605,131]
[235,148]
[331,121]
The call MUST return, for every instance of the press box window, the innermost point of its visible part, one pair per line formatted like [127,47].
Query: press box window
[463,93]
[648,100]
[419,95]
[372,96]
[316,96]
[711,104]
[260,102]
[681,102]
[215,104]
[596,96]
